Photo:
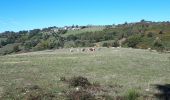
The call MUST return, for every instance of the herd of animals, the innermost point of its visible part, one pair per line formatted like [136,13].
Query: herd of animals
[83,49]
[93,49]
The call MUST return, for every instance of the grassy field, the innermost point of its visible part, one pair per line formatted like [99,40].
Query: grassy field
[131,68]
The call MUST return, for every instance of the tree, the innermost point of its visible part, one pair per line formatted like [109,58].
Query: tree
[142,21]
[77,26]
[72,26]
[22,32]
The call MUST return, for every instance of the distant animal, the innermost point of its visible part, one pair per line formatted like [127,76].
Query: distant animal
[83,50]
[71,50]
[92,49]
[78,50]
[150,49]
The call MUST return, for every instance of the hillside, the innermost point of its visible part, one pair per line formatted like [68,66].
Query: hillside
[143,35]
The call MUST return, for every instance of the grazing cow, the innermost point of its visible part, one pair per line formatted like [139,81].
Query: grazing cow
[71,50]
[77,50]
[150,49]
[83,50]
[92,49]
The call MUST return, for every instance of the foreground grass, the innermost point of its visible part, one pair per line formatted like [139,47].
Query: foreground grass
[131,68]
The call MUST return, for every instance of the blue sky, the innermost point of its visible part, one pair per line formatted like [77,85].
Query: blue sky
[18,15]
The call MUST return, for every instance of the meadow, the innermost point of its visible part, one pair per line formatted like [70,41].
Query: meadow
[123,67]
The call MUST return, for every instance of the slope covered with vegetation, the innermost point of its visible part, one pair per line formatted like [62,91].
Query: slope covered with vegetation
[144,34]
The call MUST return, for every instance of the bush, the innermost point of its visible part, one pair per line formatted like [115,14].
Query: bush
[79,81]
[133,41]
[116,44]
[161,32]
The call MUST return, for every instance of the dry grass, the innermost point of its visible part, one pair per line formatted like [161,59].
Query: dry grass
[130,68]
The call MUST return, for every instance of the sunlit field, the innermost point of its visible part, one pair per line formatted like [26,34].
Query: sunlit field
[129,68]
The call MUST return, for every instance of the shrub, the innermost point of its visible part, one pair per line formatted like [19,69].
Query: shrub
[116,44]
[161,32]
[79,81]
[133,41]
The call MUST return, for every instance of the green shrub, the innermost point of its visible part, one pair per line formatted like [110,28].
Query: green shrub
[161,32]
[133,41]
[116,44]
